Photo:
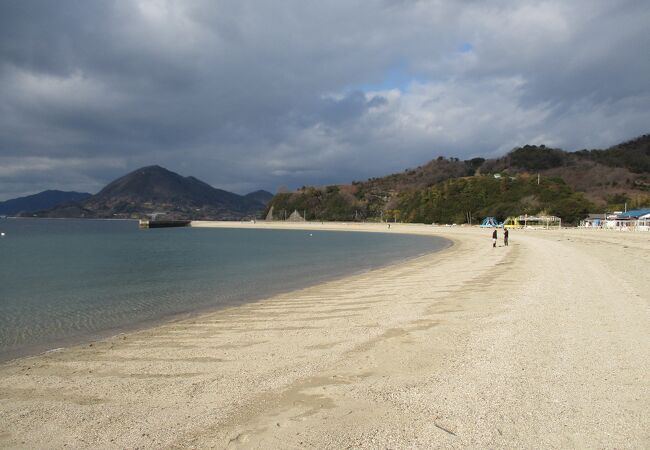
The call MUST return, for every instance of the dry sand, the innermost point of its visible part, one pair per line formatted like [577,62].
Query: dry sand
[545,343]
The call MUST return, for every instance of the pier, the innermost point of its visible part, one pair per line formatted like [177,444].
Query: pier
[144,223]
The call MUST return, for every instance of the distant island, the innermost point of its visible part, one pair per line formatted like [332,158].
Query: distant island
[38,202]
[154,190]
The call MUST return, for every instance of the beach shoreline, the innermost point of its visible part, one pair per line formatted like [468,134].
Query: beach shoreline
[87,337]
[469,346]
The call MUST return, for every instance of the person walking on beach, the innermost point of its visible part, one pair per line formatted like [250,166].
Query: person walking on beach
[505,237]
[494,238]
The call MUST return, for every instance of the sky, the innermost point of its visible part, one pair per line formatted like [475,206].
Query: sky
[263,94]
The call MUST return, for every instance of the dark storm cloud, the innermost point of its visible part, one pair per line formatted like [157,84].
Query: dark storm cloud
[248,94]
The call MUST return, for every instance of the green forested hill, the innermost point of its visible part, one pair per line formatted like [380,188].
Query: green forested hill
[571,184]
[633,155]
[471,198]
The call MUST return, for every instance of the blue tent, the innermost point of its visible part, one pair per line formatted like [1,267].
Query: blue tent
[491,222]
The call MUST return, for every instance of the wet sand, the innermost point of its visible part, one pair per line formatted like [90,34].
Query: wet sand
[544,343]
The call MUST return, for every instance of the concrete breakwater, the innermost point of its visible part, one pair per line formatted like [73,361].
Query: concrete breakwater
[163,223]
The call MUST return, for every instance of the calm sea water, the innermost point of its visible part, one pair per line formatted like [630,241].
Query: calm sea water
[66,281]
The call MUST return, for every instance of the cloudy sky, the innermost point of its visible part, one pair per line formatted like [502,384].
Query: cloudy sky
[258,94]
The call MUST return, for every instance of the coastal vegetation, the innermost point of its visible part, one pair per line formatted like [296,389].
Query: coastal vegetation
[469,199]
[329,203]
[528,180]
[457,200]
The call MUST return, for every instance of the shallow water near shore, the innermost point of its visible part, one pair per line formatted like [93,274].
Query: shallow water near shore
[67,281]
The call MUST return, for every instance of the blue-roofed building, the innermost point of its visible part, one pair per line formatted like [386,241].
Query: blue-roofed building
[636,219]
[634,214]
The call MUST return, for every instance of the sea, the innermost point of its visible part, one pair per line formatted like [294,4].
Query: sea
[67,281]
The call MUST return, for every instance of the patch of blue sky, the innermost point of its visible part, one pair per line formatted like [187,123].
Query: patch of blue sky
[466,47]
[398,76]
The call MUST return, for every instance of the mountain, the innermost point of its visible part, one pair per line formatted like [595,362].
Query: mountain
[42,200]
[528,179]
[633,155]
[608,177]
[154,189]
[261,196]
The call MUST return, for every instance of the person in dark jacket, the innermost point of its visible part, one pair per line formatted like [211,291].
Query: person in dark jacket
[494,238]
[505,237]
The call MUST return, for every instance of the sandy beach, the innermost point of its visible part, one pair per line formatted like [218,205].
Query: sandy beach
[541,344]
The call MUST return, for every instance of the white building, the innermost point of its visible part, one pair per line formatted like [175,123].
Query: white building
[629,220]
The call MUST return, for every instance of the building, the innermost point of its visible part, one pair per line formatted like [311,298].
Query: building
[643,224]
[594,221]
[526,221]
[636,219]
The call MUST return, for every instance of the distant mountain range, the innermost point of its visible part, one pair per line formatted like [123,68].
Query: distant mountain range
[158,191]
[41,201]
[529,179]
